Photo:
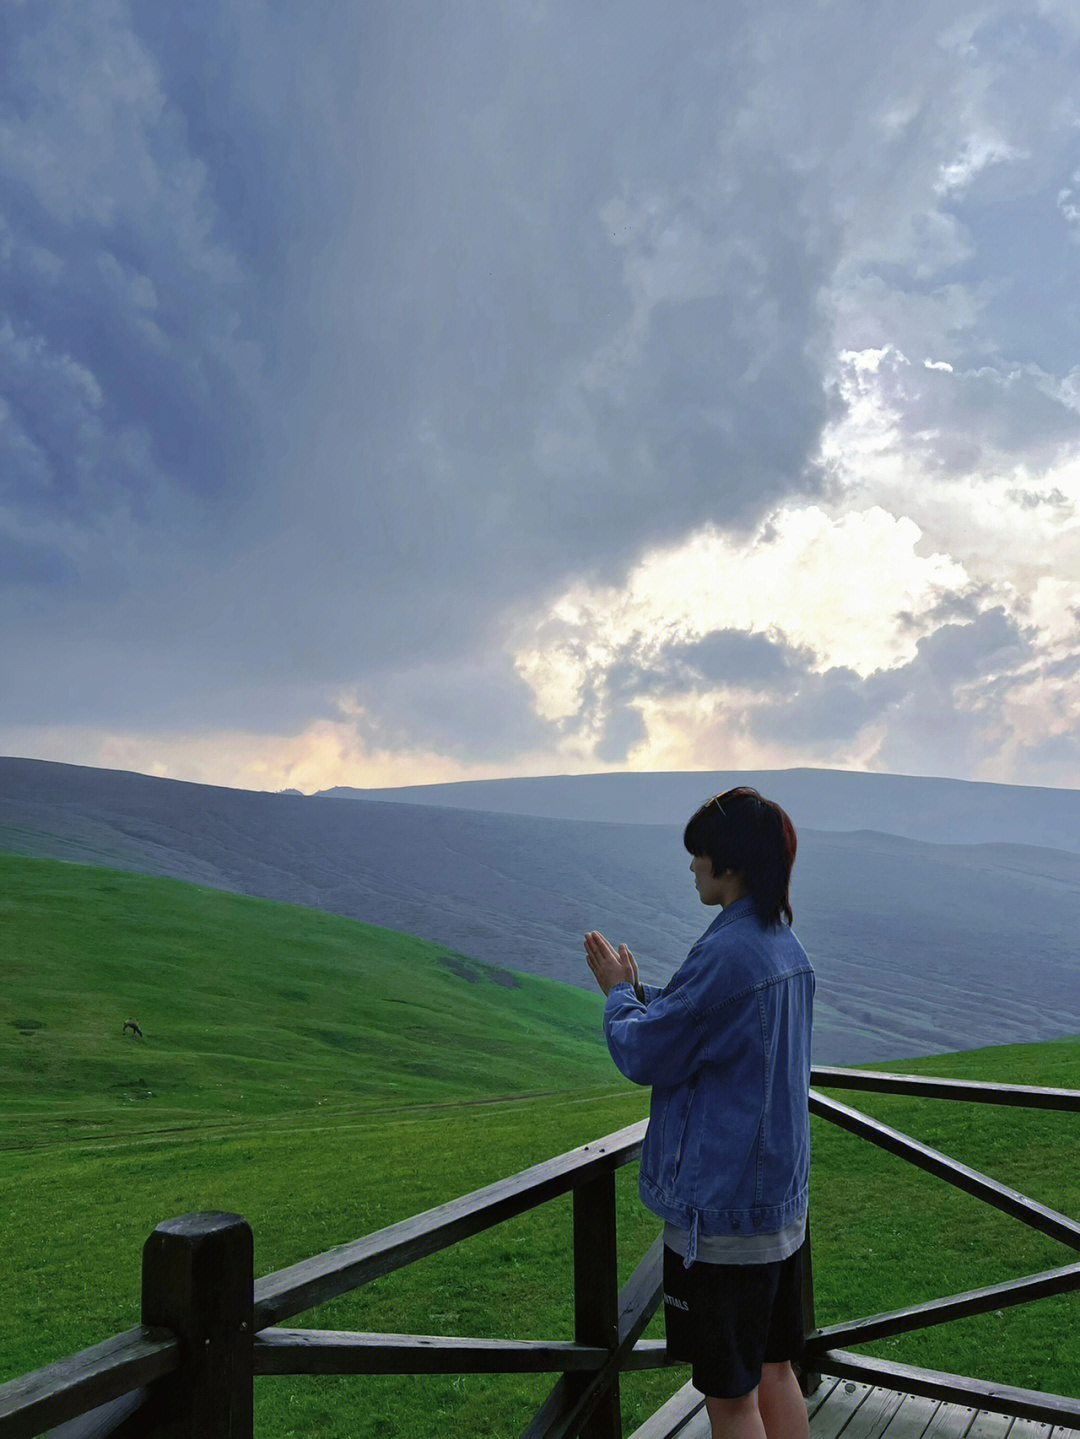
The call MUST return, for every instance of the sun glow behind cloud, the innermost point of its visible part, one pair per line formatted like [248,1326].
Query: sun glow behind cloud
[320,756]
[851,589]
[1012,524]
[907,541]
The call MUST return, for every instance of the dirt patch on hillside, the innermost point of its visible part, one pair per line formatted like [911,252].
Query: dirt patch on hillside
[476,973]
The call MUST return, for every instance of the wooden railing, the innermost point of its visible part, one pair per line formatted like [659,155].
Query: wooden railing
[824,1351]
[209,1329]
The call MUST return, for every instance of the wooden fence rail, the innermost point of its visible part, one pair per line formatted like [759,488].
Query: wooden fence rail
[209,1329]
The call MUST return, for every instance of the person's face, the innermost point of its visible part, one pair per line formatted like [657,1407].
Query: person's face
[709,886]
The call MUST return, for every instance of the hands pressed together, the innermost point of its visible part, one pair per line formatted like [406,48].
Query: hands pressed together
[609,965]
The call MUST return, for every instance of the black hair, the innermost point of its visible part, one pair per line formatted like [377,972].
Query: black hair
[754,837]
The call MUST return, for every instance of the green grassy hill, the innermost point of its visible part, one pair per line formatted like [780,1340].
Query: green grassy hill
[250,1009]
[400,1101]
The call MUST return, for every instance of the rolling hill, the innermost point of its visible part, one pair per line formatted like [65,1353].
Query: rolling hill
[935,811]
[919,947]
[250,1010]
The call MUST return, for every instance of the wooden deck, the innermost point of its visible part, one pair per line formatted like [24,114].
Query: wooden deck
[842,1409]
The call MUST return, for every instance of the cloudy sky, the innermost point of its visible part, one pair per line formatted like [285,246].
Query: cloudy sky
[402,391]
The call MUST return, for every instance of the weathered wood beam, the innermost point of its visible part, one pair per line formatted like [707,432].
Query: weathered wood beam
[130,1417]
[646,1354]
[197,1278]
[808,1377]
[330,1351]
[999,1196]
[940,1311]
[348,1266]
[596,1294]
[674,1416]
[954,1388]
[975,1091]
[569,1405]
[73,1386]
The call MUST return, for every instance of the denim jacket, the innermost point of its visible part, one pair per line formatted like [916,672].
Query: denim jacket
[725,1046]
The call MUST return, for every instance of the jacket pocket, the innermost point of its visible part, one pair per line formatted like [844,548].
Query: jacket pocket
[682,1130]
[654,1149]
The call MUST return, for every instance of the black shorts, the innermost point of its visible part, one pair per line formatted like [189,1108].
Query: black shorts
[728,1319]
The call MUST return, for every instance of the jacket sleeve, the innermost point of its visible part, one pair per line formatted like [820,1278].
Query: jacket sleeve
[661,1044]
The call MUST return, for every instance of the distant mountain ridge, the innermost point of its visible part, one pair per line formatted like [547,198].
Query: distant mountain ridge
[918,947]
[937,811]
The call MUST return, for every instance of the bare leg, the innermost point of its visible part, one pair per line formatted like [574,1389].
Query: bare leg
[782,1406]
[736,1418]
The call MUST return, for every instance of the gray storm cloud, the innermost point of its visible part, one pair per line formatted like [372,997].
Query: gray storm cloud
[336,341]
[379,328]
[953,687]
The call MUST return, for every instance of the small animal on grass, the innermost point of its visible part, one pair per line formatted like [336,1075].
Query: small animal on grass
[136,1032]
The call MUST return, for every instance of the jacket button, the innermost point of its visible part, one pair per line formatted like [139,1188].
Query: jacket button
[757,1221]
[734,1224]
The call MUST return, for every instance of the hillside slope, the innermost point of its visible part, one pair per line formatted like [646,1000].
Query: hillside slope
[936,811]
[918,947]
[250,1009]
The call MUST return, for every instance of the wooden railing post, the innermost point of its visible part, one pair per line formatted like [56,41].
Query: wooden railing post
[198,1280]
[808,1380]
[596,1290]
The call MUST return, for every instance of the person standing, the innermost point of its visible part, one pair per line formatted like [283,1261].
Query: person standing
[725,1162]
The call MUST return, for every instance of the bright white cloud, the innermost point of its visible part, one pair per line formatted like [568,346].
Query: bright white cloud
[851,589]
[978,152]
[717,731]
[1009,523]
[1012,523]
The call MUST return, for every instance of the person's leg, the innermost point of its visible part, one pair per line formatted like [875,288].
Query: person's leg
[736,1418]
[781,1404]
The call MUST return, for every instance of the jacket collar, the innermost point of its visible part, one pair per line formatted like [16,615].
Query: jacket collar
[732,912]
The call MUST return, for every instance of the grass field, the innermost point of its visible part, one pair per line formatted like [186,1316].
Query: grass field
[250,1010]
[422,1085]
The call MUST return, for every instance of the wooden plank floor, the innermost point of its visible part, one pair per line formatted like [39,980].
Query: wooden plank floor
[844,1410]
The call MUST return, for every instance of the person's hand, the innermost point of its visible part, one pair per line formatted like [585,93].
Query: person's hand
[609,965]
[625,955]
